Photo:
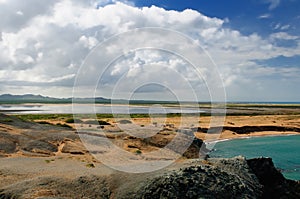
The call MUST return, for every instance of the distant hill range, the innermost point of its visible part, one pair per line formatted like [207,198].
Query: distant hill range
[30,98]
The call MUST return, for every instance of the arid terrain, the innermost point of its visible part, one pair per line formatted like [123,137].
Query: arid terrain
[46,158]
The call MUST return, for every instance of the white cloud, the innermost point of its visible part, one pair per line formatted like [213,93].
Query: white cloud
[50,41]
[285,27]
[279,26]
[283,36]
[88,42]
[265,16]
[273,4]
[20,13]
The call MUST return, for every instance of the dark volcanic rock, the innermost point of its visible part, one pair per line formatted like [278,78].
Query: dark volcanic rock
[39,146]
[7,146]
[196,149]
[7,143]
[218,178]
[198,182]
[275,185]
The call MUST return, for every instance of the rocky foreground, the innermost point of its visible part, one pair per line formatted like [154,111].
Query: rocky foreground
[214,178]
[44,161]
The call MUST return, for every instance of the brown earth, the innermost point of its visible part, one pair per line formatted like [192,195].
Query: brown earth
[44,160]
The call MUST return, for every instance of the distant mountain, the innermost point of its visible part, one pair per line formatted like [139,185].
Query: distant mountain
[23,97]
[30,98]
[26,97]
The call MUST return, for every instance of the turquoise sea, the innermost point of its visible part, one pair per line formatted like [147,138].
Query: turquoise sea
[284,150]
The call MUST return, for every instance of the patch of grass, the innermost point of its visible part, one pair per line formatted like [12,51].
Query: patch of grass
[32,117]
[90,165]
[7,120]
[69,117]
[138,152]
[104,115]
[48,161]
[64,125]
[139,115]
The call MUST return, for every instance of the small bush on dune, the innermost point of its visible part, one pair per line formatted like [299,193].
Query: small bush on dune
[64,125]
[138,152]
[90,165]
[96,122]
[72,120]
[101,122]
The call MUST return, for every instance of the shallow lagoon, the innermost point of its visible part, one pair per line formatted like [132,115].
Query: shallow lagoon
[284,150]
[90,108]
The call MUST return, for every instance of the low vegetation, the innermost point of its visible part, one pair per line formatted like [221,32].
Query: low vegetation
[138,152]
[72,120]
[6,120]
[64,125]
[90,165]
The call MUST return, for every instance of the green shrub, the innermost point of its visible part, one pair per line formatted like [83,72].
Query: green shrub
[90,165]
[48,161]
[72,120]
[7,120]
[101,122]
[64,125]
[138,152]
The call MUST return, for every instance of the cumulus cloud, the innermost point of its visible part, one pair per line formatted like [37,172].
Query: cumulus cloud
[47,43]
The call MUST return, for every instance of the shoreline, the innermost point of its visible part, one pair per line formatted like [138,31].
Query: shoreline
[260,134]
[282,134]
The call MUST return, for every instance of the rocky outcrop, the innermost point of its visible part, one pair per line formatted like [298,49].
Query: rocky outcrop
[212,178]
[274,183]
[30,138]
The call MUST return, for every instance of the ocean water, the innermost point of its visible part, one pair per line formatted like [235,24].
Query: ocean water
[284,150]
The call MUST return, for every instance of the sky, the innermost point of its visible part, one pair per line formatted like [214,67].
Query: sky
[254,45]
